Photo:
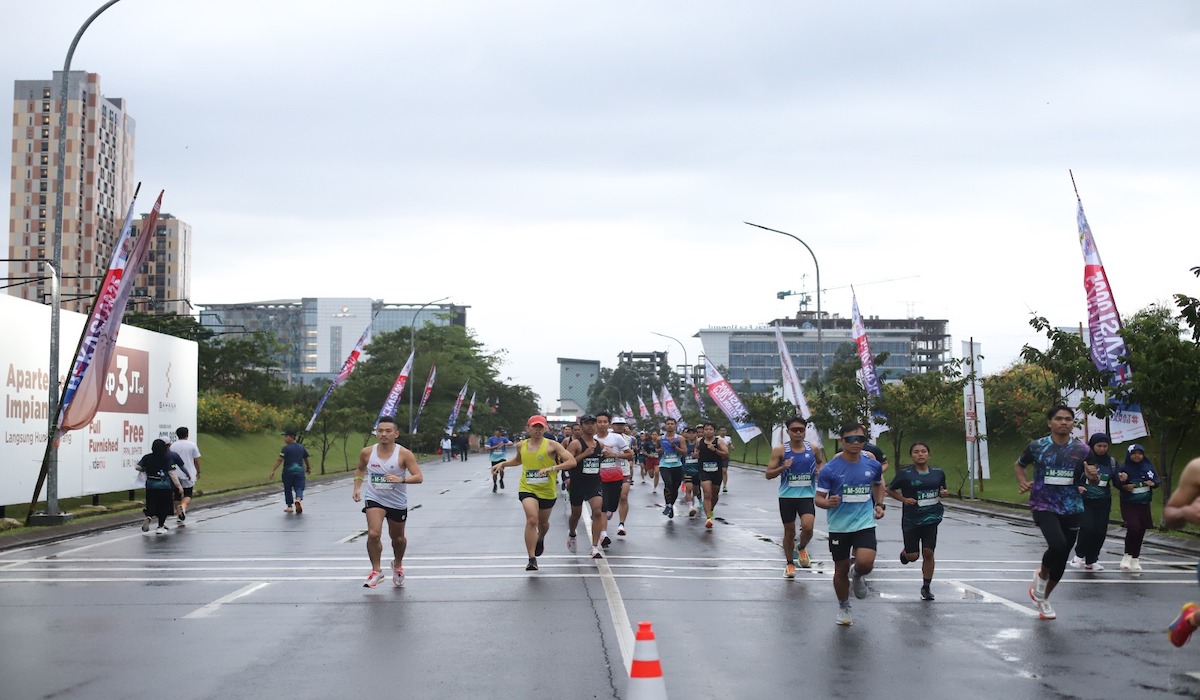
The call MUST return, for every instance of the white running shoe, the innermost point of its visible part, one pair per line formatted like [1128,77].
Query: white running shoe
[692,512]
[843,617]
[1037,589]
[162,530]
[1094,567]
[397,575]
[1135,565]
[621,528]
[1126,562]
[1076,562]
[596,553]
[1045,611]
[373,580]
[860,587]
[571,544]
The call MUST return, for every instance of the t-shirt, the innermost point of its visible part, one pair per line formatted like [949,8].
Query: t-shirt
[1138,475]
[852,481]
[158,475]
[498,448]
[613,468]
[670,452]
[926,489]
[1106,469]
[1056,472]
[188,452]
[691,461]
[797,480]
[293,455]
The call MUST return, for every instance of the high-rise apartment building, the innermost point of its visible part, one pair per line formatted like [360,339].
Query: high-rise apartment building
[164,282]
[97,188]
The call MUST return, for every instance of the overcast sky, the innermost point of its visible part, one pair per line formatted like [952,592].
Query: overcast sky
[578,173]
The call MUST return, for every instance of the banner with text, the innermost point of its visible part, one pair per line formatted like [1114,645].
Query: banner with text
[727,399]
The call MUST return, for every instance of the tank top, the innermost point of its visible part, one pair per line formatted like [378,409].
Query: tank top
[710,460]
[797,480]
[378,488]
[531,464]
[588,463]
[670,456]
[691,461]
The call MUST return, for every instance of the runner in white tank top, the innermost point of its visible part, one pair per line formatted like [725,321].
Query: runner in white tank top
[387,468]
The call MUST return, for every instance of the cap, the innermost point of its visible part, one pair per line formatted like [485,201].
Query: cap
[587,418]
[538,420]
[289,433]
[619,419]
[1098,438]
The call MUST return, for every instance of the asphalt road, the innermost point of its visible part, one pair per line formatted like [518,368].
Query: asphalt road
[247,601]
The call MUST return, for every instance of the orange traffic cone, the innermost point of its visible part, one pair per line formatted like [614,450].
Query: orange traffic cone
[645,675]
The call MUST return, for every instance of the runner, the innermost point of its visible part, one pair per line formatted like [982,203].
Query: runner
[1184,507]
[537,456]
[189,473]
[613,470]
[710,451]
[497,446]
[850,488]
[1054,499]
[797,462]
[1137,480]
[672,448]
[1097,504]
[585,483]
[921,489]
[728,442]
[620,427]
[295,460]
[388,468]
[652,452]
[691,470]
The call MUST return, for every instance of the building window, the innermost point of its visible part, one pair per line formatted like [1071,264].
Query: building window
[46,107]
[46,119]
[45,93]
[45,133]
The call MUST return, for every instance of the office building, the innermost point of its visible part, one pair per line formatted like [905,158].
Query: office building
[575,378]
[164,282]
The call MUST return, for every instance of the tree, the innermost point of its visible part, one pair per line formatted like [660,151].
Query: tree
[1017,399]
[1067,359]
[838,398]
[766,411]
[921,404]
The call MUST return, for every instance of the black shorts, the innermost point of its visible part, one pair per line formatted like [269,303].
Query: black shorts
[792,508]
[497,461]
[584,487]
[840,543]
[187,493]
[543,503]
[611,492]
[920,537]
[396,515]
[715,476]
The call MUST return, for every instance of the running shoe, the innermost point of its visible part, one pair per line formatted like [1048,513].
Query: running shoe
[843,617]
[1126,562]
[860,586]
[1181,629]
[1096,566]
[373,580]
[146,524]
[1045,611]
[287,510]
[621,529]
[724,490]
[397,575]
[1135,565]
[671,511]
[1037,589]
[502,484]
[708,523]
[539,547]
[571,546]
[596,553]
[162,530]
[532,565]
[605,541]
[667,509]
[299,507]
[692,512]
[182,514]
[1076,562]
[789,571]
[805,562]
[903,557]
[493,488]
[926,594]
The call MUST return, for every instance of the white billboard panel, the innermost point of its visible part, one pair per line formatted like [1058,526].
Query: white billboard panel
[150,390]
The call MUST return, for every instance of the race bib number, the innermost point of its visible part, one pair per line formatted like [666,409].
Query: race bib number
[856,494]
[625,470]
[498,453]
[709,466]
[1141,489]
[379,481]
[671,461]
[799,480]
[692,460]
[928,498]
[591,465]
[1059,476]
[531,477]
[1103,482]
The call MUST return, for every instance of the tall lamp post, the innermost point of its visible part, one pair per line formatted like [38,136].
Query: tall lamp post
[685,355]
[820,339]
[412,346]
[52,514]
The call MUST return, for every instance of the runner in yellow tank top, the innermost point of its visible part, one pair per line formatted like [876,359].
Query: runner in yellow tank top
[538,458]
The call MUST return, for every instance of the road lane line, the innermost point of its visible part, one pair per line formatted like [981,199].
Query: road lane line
[616,604]
[349,538]
[992,598]
[213,606]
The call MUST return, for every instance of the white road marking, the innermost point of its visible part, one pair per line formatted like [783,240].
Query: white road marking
[992,598]
[348,538]
[616,604]
[216,604]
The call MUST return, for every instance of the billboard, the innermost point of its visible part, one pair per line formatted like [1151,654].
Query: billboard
[149,390]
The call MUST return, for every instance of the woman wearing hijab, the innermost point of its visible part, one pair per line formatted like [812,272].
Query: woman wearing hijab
[161,479]
[1097,503]
[1137,480]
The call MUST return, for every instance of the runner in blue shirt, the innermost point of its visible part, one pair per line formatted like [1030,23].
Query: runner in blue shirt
[497,446]
[921,489]
[850,488]
[797,464]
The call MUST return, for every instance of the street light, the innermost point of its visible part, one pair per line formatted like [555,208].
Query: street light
[52,514]
[412,346]
[685,356]
[820,343]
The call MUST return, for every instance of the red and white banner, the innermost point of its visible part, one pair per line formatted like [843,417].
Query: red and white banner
[658,411]
[1105,341]
[869,377]
[470,411]
[347,367]
[669,406]
[628,410]
[642,412]
[425,395]
[458,402]
[393,398]
[724,396]
[792,389]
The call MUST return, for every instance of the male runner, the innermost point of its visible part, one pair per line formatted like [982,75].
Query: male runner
[294,459]
[691,469]
[497,446]
[728,442]
[651,452]
[850,488]
[620,427]
[538,457]
[585,483]
[797,463]
[1184,507]
[710,451]
[1054,499]
[189,473]
[387,468]
[613,471]
[671,467]
[921,489]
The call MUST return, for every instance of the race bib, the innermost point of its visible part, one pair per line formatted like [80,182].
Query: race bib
[1141,489]
[498,453]
[928,498]
[709,466]
[531,477]
[625,470]
[379,481]
[671,461]
[1103,482]
[591,465]
[691,460]
[856,494]
[799,480]
[1059,476]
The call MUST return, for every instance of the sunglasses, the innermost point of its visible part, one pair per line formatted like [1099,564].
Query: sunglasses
[854,439]
[797,429]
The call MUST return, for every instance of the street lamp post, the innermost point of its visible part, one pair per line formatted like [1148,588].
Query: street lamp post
[685,355]
[820,339]
[52,513]
[412,346]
